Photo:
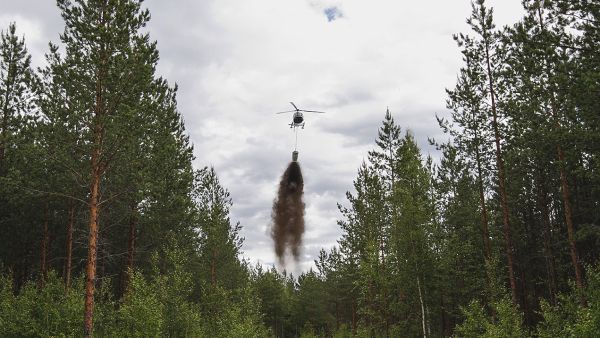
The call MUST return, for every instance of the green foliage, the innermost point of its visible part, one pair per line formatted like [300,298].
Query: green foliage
[508,321]
[47,312]
[343,332]
[588,319]
[141,313]
[274,293]
[174,285]
[308,332]
[159,306]
[557,320]
[220,243]
[228,314]
[568,318]
[245,319]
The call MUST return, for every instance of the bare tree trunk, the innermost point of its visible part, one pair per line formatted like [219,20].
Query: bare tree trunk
[97,166]
[444,319]
[4,130]
[213,277]
[92,249]
[484,216]
[424,326]
[526,310]
[68,263]
[130,246]
[3,140]
[564,182]
[569,220]
[44,248]
[354,319]
[549,256]
[94,204]
[337,316]
[502,184]
[132,238]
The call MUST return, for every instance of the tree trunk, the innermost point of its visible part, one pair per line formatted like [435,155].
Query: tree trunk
[564,181]
[549,256]
[526,310]
[484,216]
[501,183]
[569,219]
[444,319]
[68,263]
[4,130]
[424,326]
[337,316]
[130,246]
[97,167]
[213,277]
[44,248]
[3,134]
[92,252]
[94,205]
[354,319]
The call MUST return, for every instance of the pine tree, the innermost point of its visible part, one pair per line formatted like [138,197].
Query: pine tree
[363,237]
[541,64]
[275,293]
[459,239]
[62,140]
[110,65]
[485,54]
[220,242]
[411,257]
[469,128]
[384,160]
[17,141]
[16,95]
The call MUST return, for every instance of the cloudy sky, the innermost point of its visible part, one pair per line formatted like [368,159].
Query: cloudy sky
[237,62]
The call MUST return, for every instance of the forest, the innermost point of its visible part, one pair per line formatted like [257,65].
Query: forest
[108,230]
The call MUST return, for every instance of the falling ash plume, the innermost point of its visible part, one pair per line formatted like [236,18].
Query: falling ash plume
[288,213]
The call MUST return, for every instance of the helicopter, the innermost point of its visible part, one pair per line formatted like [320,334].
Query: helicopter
[298,117]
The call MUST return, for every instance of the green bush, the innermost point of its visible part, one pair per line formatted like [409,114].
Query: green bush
[507,324]
[141,314]
[568,318]
[158,306]
[343,332]
[50,311]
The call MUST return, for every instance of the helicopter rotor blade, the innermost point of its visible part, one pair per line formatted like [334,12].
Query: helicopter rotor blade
[294,105]
[283,112]
[313,111]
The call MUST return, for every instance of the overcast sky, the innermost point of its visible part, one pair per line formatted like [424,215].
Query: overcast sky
[237,62]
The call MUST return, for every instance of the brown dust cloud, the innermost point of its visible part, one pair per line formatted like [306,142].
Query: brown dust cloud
[288,213]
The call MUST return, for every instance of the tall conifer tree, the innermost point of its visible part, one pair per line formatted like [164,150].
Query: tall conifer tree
[110,64]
